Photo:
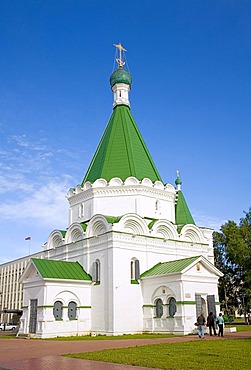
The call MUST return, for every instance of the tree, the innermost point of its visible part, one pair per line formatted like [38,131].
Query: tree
[232,247]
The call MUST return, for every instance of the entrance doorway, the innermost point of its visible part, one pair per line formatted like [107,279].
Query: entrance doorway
[201,307]
[33,316]
[205,307]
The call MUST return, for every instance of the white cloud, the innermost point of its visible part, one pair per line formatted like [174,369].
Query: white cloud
[44,205]
[33,186]
[204,220]
[14,182]
[24,141]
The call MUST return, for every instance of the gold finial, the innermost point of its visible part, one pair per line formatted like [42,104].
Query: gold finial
[120,59]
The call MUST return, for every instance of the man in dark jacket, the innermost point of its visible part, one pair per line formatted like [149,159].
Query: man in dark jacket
[201,326]
[211,323]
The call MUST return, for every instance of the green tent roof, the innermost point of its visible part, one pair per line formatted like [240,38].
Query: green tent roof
[51,269]
[122,151]
[169,267]
[182,213]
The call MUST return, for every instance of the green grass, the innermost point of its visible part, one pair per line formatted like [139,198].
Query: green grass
[239,320]
[223,354]
[117,337]
[240,328]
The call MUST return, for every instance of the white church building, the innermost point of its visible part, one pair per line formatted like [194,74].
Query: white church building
[132,259]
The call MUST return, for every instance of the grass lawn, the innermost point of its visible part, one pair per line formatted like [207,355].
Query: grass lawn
[239,328]
[117,337]
[225,354]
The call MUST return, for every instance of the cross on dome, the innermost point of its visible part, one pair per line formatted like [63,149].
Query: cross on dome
[119,60]
[178,181]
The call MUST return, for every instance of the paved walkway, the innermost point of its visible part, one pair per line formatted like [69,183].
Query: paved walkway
[25,354]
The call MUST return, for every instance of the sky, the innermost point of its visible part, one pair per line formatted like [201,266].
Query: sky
[190,97]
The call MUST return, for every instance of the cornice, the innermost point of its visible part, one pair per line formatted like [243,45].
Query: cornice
[130,186]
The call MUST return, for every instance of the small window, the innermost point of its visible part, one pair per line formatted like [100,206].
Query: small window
[96,271]
[58,310]
[135,273]
[72,310]
[172,307]
[157,205]
[159,308]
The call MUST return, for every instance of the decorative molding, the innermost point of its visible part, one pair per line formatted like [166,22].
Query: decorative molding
[45,306]
[148,306]
[84,306]
[116,187]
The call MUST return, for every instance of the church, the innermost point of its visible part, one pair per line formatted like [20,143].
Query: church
[132,259]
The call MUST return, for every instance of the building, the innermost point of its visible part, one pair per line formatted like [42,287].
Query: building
[11,291]
[132,259]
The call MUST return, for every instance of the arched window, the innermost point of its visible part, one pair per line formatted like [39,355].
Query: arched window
[58,310]
[159,308]
[135,274]
[172,307]
[72,310]
[96,271]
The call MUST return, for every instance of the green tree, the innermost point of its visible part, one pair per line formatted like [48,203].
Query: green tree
[232,247]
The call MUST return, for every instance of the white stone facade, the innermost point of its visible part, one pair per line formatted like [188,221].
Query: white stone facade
[118,303]
[11,291]
[116,198]
[48,291]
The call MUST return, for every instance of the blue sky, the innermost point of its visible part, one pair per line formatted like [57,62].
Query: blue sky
[191,99]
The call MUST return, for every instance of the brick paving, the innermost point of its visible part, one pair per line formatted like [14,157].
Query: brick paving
[25,354]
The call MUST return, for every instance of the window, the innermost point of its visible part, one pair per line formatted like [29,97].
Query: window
[58,310]
[157,205]
[72,310]
[96,271]
[172,307]
[135,274]
[80,210]
[159,308]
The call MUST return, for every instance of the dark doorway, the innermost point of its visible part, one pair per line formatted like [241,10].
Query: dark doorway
[33,316]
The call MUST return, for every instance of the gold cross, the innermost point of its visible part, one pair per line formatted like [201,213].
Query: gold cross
[120,59]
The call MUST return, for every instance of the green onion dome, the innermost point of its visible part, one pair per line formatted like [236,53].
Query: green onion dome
[120,76]
[178,181]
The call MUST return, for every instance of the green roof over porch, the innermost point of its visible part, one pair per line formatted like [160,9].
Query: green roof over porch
[163,268]
[51,269]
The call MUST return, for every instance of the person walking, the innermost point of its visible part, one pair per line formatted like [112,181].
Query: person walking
[211,323]
[249,318]
[220,322]
[201,326]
